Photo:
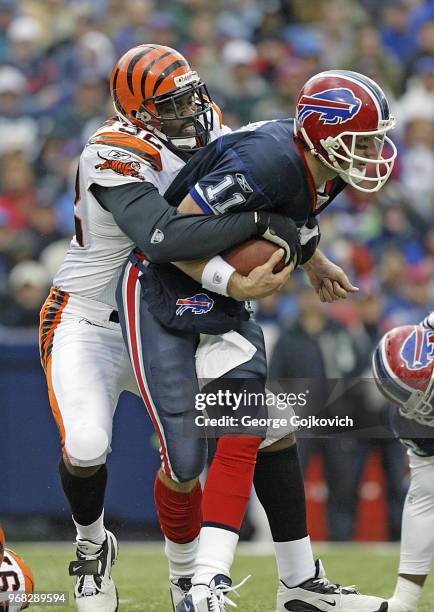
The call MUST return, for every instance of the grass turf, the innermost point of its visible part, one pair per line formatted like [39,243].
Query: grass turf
[140,575]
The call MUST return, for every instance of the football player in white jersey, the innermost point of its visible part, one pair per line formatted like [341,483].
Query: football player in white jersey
[81,345]
[403,366]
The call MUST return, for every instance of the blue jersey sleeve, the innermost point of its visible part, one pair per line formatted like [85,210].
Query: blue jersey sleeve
[228,187]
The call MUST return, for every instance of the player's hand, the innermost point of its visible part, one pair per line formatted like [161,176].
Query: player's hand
[329,280]
[282,231]
[261,281]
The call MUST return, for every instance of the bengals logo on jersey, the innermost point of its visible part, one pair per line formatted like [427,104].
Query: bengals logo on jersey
[126,168]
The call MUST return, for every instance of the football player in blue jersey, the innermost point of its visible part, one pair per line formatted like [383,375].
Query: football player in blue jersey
[295,167]
[403,366]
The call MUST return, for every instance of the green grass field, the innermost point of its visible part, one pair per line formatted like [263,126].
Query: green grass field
[140,574]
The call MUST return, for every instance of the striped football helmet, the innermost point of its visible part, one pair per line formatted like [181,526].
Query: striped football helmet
[153,86]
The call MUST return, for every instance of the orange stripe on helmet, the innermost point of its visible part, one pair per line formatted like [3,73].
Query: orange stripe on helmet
[158,75]
[125,96]
[140,74]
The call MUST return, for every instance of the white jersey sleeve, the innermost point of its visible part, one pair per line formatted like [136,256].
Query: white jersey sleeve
[116,154]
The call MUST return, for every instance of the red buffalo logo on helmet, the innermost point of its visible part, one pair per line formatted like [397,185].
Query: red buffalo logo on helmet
[410,355]
[403,367]
[418,349]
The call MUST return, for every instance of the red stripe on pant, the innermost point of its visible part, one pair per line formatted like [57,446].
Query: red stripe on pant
[132,281]
[229,482]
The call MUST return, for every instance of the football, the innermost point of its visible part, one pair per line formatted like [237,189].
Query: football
[252,254]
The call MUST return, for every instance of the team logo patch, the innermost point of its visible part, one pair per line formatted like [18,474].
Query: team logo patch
[126,168]
[334,106]
[418,350]
[199,304]
[157,236]
[186,79]
[242,181]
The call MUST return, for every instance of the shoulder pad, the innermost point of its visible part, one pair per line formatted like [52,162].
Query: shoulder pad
[134,145]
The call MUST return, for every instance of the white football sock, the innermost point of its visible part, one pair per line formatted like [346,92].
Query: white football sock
[181,557]
[407,593]
[295,561]
[215,554]
[417,539]
[94,532]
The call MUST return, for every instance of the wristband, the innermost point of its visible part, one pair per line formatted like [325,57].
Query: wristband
[216,275]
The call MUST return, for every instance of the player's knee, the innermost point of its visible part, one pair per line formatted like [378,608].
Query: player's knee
[187,468]
[186,459]
[185,473]
[87,444]
[80,472]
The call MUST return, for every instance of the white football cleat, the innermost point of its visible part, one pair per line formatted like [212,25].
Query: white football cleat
[211,597]
[320,595]
[95,590]
[179,587]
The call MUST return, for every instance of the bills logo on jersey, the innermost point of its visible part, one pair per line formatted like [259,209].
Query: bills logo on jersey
[199,304]
[418,350]
[125,168]
[334,106]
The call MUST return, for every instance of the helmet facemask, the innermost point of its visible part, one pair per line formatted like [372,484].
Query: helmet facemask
[159,112]
[340,155]
[420,406]
[335,108]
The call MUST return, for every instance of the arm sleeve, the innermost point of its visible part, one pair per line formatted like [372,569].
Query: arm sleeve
[162,233]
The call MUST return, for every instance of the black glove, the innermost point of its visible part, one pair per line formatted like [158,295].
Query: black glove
[309,239]
[282,231]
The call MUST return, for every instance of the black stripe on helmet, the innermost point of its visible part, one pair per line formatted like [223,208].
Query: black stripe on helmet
[115,95]
[168,71]
[149,68]
[133,63]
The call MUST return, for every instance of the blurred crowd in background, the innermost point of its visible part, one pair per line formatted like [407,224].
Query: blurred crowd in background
[56,57]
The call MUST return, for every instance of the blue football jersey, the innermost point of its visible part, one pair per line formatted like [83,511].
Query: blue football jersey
[258,167]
